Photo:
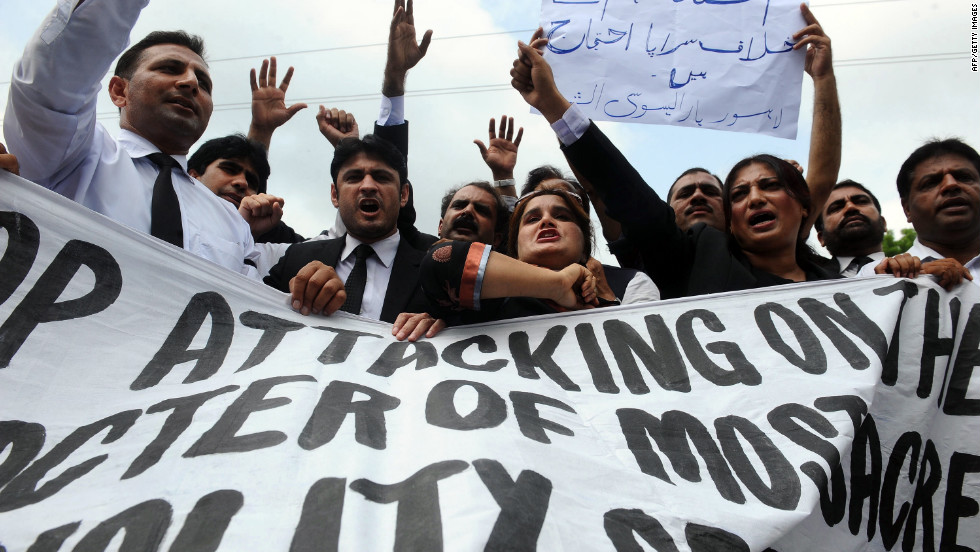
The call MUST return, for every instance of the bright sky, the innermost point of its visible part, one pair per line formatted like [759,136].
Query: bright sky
[903,70]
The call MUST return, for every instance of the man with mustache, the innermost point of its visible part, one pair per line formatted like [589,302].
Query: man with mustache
[939,185]
[162,87]
[696,197]
[474,212]
[851,228]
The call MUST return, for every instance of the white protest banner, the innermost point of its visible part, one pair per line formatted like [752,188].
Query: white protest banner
[152,401]
[719,64]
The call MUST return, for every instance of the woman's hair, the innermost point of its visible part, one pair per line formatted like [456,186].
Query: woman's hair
[796,187]
[574,204]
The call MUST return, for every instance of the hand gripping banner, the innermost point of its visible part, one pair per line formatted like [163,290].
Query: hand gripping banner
[152,401]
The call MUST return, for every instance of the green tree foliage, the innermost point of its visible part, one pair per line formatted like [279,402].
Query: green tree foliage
[892,246]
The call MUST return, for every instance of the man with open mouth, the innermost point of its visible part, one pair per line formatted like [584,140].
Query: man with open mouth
[372,270]
[939,185]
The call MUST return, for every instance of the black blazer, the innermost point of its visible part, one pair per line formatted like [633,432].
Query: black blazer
[701,260]
[404,294]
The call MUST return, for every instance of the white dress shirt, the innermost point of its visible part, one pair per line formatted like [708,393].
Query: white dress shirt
[50,125]
[923,252]
[378,271]
[844,262]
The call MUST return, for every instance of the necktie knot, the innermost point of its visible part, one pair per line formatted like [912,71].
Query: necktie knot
[363,252]
[163,161]
[855,265]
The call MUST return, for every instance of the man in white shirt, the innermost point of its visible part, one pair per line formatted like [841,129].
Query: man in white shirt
[162,88]
[851,228]
[939,185]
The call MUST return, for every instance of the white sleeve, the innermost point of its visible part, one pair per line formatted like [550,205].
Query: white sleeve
[571,126]
[641,289]
[392,111]
[50,119]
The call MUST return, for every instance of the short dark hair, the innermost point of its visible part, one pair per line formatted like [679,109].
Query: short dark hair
[848,183]
[548,172]
[234,146]
[370,144]
[498,201]
[130,59]
[930,150]
[692,170]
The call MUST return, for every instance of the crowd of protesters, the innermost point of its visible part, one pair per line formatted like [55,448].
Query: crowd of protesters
[498,253]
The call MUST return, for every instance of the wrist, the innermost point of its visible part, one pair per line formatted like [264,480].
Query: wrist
[503,179]
[554,108]
[394,83]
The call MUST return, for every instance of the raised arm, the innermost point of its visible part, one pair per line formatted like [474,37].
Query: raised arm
[404,50]
[825,135]
[501,154]
[269,110]
[50,119]
[336,124]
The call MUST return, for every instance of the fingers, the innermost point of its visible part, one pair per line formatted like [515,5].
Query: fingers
[482,146]
[436,327]
[252,80]
[503,127]
[949,272]
[398,4]
[272,71]
[264,74]
[286,79]
[316,288]
[424,45]
[413,326]
[901,266]
[294,109]
[493,128]
[589,291]
[520,134]
[260,206]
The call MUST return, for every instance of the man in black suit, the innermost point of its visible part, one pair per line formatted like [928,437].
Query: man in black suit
[371,270]
[851,228]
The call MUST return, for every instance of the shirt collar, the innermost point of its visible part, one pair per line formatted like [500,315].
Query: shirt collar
[137,147]
[384,250]
[920,248]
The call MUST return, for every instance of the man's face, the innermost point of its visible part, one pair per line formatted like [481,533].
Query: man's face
[230,179]
[852,225]
[369,196]
[471,216]
[168,99]
[697,198]
[943,204]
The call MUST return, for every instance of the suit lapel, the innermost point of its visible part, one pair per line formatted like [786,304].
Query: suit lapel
[404,282]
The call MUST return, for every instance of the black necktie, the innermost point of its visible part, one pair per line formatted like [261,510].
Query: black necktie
[357,279]
[855,266]
[165,209]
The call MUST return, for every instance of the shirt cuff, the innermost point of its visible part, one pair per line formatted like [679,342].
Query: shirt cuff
[392,111]
[571,126]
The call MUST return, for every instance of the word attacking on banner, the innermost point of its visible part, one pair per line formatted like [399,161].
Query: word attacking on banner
[719,64]
[151,404]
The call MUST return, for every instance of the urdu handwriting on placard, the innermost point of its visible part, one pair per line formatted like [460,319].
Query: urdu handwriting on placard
[624,60]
